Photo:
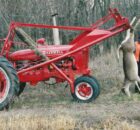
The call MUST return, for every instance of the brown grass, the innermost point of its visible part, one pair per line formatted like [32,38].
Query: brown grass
[114,123]
[60,122]
[37,123]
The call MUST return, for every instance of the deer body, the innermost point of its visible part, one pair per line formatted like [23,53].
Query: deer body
[129,62]
[130,66]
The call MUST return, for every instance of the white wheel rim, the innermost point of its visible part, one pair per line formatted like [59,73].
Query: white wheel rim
[79,95]
[7,85]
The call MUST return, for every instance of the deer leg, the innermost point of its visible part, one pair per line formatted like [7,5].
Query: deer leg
[137,85]
[126,87]
[118,51]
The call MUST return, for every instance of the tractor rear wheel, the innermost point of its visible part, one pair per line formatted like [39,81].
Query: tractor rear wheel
[22,86]
[9,83]
[86,89]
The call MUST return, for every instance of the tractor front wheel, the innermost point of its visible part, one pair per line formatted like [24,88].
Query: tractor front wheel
[86,89]
[9,83]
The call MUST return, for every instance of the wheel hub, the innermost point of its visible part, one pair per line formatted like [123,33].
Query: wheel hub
[84,90]
[4,85]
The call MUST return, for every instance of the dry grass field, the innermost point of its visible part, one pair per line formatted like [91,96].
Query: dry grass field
[52,108]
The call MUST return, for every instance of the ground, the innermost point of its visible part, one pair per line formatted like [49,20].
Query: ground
[52,108]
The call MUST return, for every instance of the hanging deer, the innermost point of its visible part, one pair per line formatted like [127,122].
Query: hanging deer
[129,62]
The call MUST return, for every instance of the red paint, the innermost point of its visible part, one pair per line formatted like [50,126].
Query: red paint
[66,61]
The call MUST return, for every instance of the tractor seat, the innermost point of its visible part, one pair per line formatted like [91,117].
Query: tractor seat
[41,41]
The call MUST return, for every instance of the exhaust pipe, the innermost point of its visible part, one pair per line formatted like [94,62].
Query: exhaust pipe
[55,31]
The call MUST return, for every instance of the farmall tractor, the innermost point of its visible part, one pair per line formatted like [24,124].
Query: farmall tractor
[61,62]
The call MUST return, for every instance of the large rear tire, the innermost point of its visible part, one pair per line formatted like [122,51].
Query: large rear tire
[9,83]
[22,86]
[86,89]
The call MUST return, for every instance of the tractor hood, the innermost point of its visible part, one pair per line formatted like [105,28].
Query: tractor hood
[51,51]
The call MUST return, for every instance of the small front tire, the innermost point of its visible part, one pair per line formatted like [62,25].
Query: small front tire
[86,89]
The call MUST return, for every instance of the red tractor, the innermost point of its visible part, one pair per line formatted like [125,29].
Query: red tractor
[63,62]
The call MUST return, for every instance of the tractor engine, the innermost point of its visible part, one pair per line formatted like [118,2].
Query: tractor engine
[44,73]
[66,63]
[24,59]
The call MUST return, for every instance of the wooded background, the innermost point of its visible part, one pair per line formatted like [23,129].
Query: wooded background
[70,12]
